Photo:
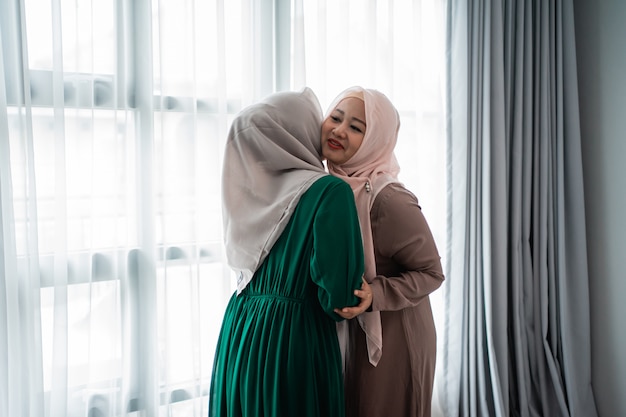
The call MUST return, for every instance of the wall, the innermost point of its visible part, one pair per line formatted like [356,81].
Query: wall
[601,55]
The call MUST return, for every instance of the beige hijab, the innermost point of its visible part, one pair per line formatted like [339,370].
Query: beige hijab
[272,156]
[370,169]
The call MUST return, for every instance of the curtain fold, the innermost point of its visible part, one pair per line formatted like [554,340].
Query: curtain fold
[517,300]
[20,359]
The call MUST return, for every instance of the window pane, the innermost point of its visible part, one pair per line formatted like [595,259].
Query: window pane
[93,333]
[93,166]
[88,35]
[188,150]
[191,303]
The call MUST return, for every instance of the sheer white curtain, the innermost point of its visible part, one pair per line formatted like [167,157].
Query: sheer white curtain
[113,118]
[113,115]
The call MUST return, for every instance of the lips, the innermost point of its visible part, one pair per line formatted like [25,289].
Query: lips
[333,144]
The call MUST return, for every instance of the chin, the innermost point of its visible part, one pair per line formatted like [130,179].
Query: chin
[331,156]
[331,160]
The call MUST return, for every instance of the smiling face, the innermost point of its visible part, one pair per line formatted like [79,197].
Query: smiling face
[343,130]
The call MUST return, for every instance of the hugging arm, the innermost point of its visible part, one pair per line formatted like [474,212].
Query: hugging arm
[337,263]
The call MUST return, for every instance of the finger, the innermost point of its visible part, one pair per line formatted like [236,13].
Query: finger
[354,311]
[365,303]
[351,311]
[364,295]
[345,315]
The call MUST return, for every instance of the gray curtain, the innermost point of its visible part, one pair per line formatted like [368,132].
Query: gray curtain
[516,335]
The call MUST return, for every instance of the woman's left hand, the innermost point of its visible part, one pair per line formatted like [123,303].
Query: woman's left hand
[365,294]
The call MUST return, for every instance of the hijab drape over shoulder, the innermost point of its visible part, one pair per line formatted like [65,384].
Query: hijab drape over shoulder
[371,168]
[272,156]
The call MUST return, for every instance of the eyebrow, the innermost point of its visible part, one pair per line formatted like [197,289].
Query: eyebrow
[353,118]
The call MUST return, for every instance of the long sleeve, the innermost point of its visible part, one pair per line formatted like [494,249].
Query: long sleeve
[337,264]
[407,260]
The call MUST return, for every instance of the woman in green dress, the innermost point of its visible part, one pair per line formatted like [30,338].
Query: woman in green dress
[292,237]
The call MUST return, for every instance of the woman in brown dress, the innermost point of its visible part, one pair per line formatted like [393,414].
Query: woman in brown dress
[390,356]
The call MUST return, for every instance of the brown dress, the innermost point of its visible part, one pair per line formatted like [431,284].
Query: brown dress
[409,269]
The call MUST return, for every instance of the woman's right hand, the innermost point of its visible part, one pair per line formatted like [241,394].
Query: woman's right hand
[365,294]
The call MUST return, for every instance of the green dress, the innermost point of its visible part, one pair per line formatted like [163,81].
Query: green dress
[278,353]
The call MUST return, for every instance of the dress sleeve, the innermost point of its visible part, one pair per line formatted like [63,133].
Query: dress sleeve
[404,242]
[337,263]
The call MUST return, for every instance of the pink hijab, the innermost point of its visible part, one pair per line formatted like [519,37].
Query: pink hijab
[370,169]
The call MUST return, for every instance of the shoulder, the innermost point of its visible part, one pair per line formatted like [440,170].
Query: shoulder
[330,183]
[328,191]
[394,196]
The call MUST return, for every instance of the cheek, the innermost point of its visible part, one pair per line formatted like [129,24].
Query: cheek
[355,142]
[325,128]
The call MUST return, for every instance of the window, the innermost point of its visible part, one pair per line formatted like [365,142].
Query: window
[117,112]
[116,159]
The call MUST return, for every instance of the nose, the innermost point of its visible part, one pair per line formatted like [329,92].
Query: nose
[339,131]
